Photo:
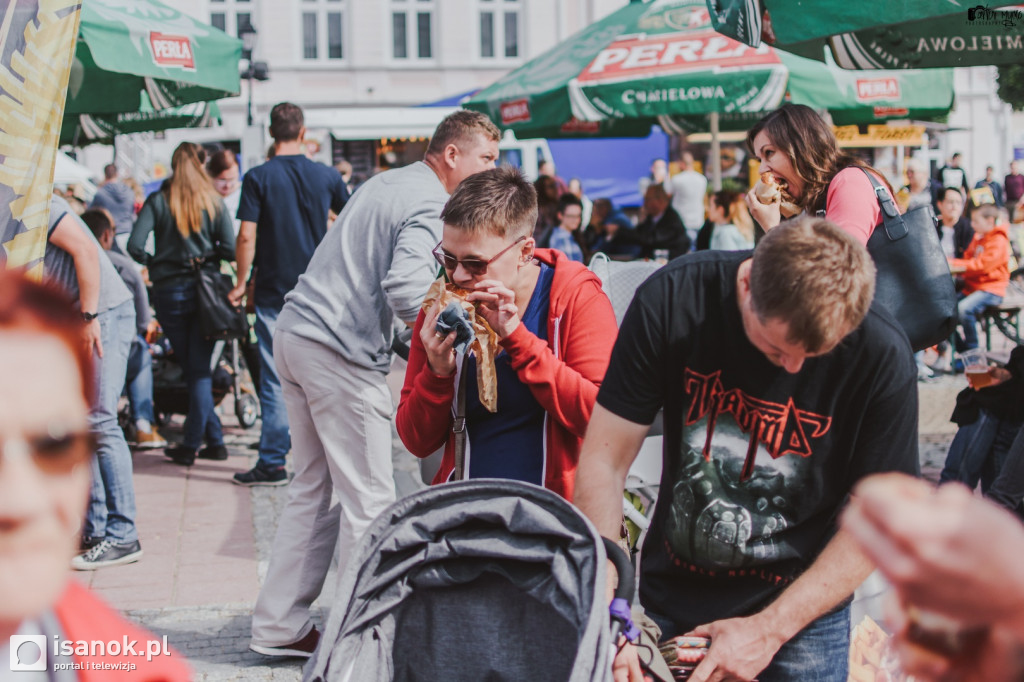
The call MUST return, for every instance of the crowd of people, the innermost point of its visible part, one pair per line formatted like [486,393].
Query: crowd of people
[789,400]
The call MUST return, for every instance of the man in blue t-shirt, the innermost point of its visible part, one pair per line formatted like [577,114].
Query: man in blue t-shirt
[283,209]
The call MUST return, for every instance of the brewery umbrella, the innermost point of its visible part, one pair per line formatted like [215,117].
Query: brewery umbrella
[129,47]
[662,62]
[877,34]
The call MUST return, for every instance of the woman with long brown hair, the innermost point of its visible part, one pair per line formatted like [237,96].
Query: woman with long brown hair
[190,223]
[801,153]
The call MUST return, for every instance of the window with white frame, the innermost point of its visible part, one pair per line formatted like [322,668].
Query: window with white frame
[499,28]
[231,16]
[322,29]
[412,29]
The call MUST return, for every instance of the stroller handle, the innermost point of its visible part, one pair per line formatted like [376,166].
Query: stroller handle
[619,609]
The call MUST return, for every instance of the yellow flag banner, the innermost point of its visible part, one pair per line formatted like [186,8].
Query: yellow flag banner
[37,41]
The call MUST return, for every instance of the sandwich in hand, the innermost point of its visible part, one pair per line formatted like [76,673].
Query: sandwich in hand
[769,191]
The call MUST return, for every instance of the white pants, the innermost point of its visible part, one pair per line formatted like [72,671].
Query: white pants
[340,419]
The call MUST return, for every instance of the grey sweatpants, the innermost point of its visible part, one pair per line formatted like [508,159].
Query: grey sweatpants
[340,419]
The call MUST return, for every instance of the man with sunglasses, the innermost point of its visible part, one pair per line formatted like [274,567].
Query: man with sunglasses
[555,329]
[332,348]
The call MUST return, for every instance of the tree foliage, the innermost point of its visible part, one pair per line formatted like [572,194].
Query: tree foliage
[1011,85]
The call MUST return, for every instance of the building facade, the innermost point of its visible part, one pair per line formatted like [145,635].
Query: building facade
[357,67]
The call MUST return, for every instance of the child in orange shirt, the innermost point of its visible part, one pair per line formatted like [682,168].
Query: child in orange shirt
[986,271]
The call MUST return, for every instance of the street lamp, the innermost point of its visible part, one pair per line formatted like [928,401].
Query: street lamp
[247,34]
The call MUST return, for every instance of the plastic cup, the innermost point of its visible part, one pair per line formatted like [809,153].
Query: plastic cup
[976,367]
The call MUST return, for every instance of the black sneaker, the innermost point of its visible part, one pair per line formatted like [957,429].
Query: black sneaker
[182,455]
[217,453]
[260,476]
[87,542]
[107,553]
[303,648]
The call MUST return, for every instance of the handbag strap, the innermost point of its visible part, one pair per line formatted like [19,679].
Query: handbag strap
[459,427]
[895,227]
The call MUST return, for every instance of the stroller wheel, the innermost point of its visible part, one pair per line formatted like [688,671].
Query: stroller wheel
[247,410]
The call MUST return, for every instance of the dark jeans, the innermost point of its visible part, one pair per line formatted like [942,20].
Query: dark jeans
[175,307]
[978,451]
[968,308]
[1008,488]
[819,652]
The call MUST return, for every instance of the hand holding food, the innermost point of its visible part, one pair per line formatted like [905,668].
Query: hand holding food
[438,346]
[768,190]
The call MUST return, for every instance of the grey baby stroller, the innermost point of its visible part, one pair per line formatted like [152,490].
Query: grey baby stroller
[476,581]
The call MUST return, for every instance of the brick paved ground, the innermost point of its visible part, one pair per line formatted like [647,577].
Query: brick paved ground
[207,543]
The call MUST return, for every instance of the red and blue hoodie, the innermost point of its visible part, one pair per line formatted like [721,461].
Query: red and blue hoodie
[563,373]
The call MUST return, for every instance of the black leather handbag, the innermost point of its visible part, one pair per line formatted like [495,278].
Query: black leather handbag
[913,281]
[218,319]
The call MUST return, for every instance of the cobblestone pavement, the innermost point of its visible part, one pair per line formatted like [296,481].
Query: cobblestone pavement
[207,544]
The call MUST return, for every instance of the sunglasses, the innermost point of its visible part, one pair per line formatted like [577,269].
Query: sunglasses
[473,266]
[56,452]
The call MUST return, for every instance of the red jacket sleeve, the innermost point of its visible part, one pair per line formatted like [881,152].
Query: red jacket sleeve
[566,386]
[85,617]
[425,409]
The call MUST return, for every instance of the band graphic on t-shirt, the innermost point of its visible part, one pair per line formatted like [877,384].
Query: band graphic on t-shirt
[729,506]
[782,428]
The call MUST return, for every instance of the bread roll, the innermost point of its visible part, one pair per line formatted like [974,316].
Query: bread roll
[788,207]
[767,190]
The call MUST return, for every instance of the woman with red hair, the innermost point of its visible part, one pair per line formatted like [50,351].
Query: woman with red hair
[45,449]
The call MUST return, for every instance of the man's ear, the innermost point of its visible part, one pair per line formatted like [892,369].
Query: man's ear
[526,255]
[744,282]
[451,154]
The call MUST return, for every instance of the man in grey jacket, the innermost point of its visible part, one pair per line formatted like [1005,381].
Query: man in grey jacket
[332,348]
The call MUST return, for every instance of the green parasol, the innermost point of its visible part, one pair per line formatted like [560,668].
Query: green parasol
[86,129]
[661,62]
[130,47]
[875,35]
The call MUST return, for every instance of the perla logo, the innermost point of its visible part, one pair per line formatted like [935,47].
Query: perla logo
[877,88]
[516,111]
[171,50]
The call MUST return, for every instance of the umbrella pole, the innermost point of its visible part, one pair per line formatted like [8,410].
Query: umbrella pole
[716,153]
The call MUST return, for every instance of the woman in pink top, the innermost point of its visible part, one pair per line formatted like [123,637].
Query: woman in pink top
[796,146]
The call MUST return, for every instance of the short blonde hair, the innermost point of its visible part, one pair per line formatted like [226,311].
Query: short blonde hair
[459,128]
[818,279]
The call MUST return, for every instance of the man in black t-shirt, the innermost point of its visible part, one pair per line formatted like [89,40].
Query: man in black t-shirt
[283,209]
[780,390]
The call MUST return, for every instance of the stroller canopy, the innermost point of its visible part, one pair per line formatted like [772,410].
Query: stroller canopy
[481,580]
